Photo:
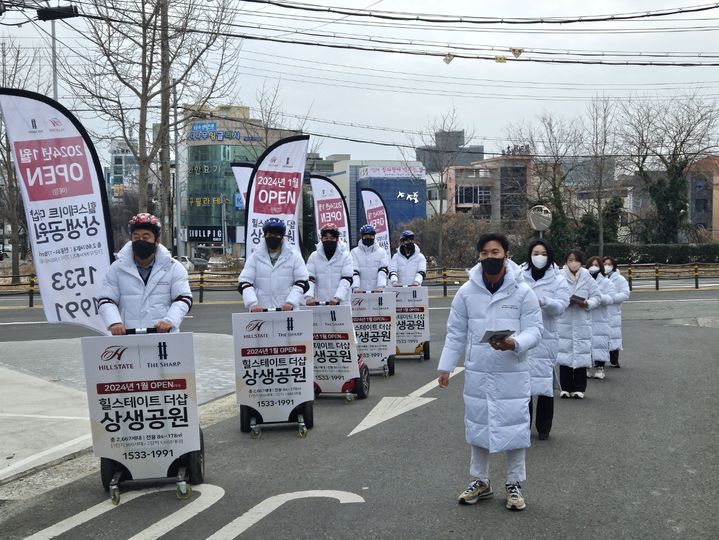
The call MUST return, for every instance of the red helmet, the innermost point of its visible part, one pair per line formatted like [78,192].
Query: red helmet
[145,221]
[331,229]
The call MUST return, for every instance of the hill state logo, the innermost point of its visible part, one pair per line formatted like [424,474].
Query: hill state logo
[254,329]
[273,160]
[113,352]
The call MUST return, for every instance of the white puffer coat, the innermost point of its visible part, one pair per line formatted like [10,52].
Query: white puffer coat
[552,291]
[404,271]
[330,279]
[126,299]
[371,266]
[271,286]
[575,324]
[621,294]
[496,383]
[601,326]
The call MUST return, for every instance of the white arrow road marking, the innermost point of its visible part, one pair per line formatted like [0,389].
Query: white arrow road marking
[269,505]
[211,494]
[389,407]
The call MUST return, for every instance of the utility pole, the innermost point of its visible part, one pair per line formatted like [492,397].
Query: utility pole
[165,192]
[224,226]
[178,194]
[54,61]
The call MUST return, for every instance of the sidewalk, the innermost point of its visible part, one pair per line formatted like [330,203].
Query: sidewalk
[41,423]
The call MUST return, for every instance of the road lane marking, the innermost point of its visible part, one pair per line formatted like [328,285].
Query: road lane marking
[211,494]
[43,416]
[390,407]
[7,472]
[269,505]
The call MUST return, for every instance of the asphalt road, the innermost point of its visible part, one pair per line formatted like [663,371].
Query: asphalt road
[635,459]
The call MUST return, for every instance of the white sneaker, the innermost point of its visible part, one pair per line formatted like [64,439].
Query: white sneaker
[563,394]
[578,395]
[599,373]
[590,373]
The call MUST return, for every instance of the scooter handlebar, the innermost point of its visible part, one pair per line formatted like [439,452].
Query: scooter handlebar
[141,331]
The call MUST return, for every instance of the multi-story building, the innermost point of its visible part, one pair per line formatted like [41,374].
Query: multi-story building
[123,171]
[448,149]
[398,182]
[493,189]
[213,216]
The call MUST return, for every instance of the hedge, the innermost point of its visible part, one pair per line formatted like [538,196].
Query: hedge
[660,253]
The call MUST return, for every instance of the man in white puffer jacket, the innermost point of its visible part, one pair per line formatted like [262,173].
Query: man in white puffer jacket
[275,276]
[145,287]
[497,380]
[408,266]
[330,270]
[371,262]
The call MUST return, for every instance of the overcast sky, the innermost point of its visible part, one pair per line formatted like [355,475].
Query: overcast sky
[407,93]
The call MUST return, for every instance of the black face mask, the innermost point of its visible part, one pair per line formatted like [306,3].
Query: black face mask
[142,249]
[407,250]
[492,266]
[368,241]
[330,246]
[273,243]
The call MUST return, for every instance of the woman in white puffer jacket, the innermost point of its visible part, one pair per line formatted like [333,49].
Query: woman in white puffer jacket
[330,270]
[275,275]
[408,266]
[575,327]
[601,325]
[621,295]
[552,291]
[371,262]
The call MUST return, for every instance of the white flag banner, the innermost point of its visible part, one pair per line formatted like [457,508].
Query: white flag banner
[376,215]
[242,172]
[330,206]
[276,189]
[63,191]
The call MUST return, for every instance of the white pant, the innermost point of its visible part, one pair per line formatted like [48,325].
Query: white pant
[479,464]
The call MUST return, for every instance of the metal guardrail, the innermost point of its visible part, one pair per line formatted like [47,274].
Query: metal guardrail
[214,281]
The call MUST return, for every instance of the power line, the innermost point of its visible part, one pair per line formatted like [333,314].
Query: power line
[470,19]
[437,54]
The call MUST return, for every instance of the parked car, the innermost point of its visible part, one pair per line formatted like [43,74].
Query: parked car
[217,263]
[186,262]
[200,263]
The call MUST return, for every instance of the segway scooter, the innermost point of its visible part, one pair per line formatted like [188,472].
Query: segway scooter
[143,409]
[274,369]
[374,317]
[338,369]
[413,323]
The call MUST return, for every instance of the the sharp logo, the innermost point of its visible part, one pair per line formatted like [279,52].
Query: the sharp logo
[414,294]
[162,350]
[33,123]
[255,325]
[380,301]
[113,352]
[290,324]
[333,316]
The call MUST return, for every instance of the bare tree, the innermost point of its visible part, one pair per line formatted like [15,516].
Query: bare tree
[438,147]
[19,68]
[124,76]
[600,146]
[662,140]
[554,143]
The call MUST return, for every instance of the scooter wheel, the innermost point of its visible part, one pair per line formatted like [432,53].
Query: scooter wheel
[183,492]
[362,383]
[115,495]
[302,433]
[390,365]
[349,398]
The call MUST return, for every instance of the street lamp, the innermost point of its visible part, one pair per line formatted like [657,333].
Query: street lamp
[52,14]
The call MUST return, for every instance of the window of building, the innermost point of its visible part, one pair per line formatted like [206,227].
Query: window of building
[433,194]
[118,160]
[472,195]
